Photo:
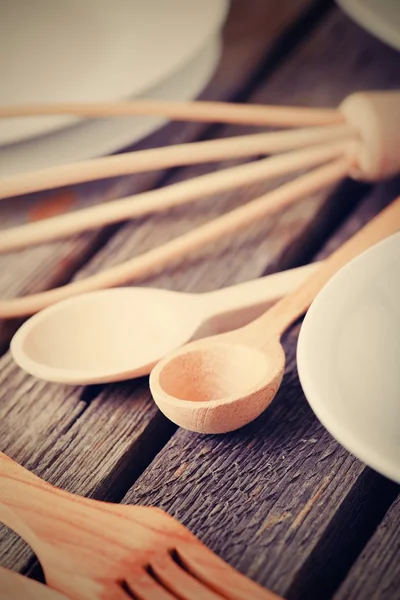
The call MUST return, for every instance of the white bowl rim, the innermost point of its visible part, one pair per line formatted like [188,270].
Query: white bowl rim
[361,450]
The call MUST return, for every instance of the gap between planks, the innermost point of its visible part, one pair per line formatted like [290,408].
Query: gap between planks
[376,573]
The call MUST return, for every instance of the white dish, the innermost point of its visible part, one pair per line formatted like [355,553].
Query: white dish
[348,357]
[94,51]
[379,17]
[96,137]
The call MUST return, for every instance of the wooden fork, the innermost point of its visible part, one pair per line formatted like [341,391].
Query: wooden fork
[17,587]
[92,550]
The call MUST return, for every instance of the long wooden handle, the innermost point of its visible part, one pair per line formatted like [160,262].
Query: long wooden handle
[210,112]
[171,156]
[154,260]
[293,306]
[168,197]
[257,292]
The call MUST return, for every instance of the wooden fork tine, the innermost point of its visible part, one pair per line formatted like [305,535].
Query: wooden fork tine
[219,576]
[116,592]
[144,587]
[180,582]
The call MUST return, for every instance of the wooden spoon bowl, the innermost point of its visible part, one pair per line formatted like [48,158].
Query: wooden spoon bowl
[221,386]
[223,382]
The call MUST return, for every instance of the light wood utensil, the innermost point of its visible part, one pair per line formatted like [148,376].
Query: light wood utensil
[17,587]
[177,194]
[220,383]
[241,146]
[211,112]
[124,332]
[372,117]
[155,260]
[92,550]
[359,139]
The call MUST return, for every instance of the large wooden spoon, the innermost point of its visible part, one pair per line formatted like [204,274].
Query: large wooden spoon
[220,383]
[121,333]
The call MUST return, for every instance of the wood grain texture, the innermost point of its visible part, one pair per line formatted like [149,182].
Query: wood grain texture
[86,420]
[94,550]
[266,497]
[89,446]
[249,35]
[376,573]
[258,495]
[101,448]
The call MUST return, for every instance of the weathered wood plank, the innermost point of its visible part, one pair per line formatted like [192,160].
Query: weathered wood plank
[251,30]
[376,574]
[94,455]
[265,497]
[86,446]
[96,450]
[62,455]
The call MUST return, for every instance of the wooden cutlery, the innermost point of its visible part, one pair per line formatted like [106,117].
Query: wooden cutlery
[92,550]
[358,139]
[220,383]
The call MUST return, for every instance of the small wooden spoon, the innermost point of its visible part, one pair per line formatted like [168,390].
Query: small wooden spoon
[17,587]
[221,383]
[120,333]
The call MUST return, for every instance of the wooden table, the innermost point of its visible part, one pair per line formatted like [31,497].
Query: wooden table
[280,499]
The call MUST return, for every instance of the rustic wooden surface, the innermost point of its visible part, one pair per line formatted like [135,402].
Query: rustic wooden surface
[279,499]
[378,567]
[267,498]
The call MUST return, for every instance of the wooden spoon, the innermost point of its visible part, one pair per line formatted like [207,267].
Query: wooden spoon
[92,550]
[221,383]
[120,333]
[17,587]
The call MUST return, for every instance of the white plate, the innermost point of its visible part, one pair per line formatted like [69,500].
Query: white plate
[93,51]
[348,357]
[96,137]
[379,17]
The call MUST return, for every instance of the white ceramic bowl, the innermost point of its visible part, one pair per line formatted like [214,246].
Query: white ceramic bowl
[379,17]
[94,51]
[97,137]
[348,357]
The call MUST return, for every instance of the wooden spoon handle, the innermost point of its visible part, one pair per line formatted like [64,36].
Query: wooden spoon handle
[154,260]
[166,157]
[209,112]
[232,306]
[176,194]
[293,306]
